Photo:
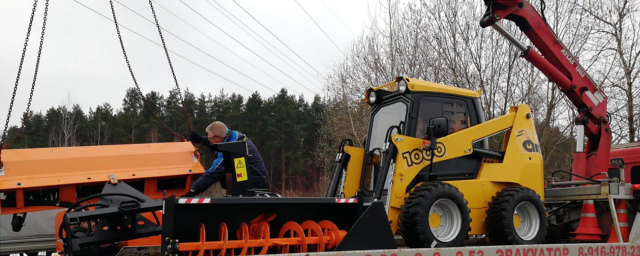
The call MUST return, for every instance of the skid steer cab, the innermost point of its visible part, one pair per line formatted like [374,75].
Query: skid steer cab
[426,156]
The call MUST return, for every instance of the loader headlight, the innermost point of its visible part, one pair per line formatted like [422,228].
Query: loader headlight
[372,97]
[402,86]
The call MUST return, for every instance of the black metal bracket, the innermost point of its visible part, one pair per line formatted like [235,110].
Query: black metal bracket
[117,217]
[238,176]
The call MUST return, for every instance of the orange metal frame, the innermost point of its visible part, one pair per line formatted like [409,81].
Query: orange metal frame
[63,170]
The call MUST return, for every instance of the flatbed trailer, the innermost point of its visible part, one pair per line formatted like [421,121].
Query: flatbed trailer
[574,249]
[595,249]
[28,245]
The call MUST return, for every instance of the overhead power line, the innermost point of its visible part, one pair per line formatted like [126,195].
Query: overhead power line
[200,50]
[337,18]
[325,33]
[276,37]
[232,18]
[182,57]
[249,49]
[219,44]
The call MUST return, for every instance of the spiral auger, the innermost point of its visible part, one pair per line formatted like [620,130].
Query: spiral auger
[255,238]
[258,226]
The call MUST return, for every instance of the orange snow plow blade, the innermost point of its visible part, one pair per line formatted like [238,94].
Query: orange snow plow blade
[46,178]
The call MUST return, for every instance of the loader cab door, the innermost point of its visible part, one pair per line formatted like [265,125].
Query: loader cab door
[389,114]
[461,113]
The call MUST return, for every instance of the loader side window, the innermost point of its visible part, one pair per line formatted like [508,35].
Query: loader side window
[455,110]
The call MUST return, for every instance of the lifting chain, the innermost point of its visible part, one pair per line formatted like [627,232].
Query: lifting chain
[33,83]
[126,58]
[184,107]
[543,7]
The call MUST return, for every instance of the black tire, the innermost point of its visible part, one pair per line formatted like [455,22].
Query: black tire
[17,222]
[500,223]
[414,218]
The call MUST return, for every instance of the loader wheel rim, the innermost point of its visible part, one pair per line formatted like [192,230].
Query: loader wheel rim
[449,220]
[529,222]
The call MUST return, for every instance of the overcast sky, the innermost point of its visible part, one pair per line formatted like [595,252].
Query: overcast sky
[82,62]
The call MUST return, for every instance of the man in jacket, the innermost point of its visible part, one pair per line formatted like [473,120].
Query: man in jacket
[217,132]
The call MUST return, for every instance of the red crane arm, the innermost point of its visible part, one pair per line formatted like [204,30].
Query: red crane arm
[562,68]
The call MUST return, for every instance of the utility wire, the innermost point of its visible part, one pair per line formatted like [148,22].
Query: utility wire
[337,18]
[151,41]
[260,42]
[267,41]
[249,49]
[276,37]
[219,44]
[195,47]
[325,33]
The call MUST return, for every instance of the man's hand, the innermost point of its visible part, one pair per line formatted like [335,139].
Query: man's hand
[195,138]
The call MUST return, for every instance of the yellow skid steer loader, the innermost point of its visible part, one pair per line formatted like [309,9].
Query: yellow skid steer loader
[426,156]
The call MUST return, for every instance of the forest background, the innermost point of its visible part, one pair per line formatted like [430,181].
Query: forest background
[439,41]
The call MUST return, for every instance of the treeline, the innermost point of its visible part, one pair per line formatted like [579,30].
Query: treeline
[283,127]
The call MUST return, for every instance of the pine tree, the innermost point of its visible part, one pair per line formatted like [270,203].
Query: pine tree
[252,120]
[131,108]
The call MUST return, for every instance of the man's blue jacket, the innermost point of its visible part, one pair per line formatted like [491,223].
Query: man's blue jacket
[255,165]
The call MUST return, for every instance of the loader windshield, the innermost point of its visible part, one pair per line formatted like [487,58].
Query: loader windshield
[384,118]
[381,120]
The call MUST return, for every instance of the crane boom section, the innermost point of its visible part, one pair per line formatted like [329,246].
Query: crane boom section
[562,68]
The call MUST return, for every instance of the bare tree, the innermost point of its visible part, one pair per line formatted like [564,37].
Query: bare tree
[618,31]
[99,130]
[67,118]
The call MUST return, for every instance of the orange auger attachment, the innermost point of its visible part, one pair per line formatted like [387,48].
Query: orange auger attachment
[308,237]
[259,225]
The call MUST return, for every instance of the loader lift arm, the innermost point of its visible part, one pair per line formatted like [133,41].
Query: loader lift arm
[562,68]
